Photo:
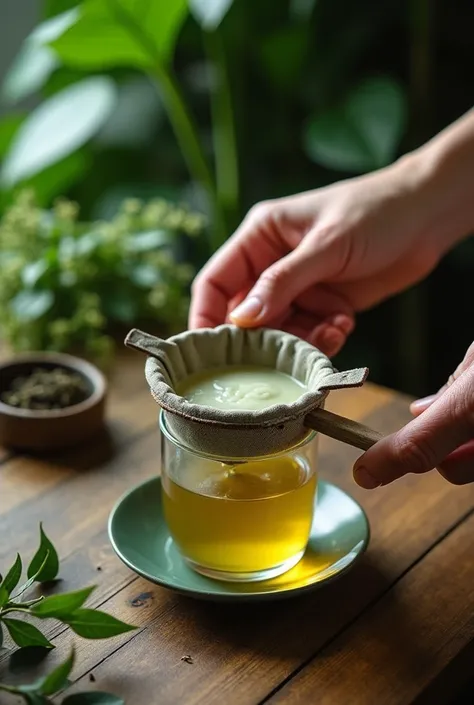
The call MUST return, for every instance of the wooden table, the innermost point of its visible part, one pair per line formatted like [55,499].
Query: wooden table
[396,630]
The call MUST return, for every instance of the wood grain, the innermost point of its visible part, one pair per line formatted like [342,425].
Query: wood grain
[241,654]
[395,650]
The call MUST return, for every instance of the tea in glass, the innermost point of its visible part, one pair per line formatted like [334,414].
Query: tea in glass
[247,520]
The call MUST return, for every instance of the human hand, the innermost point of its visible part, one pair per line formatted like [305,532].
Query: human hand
[307,263]
[441,436]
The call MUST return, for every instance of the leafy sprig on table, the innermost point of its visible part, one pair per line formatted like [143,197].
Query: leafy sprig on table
[38,693]
[67,608]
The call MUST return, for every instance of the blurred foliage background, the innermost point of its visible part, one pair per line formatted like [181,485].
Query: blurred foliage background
[222,103]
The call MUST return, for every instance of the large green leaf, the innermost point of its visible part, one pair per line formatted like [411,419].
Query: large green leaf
[36,61]
[58,127]
[209,13]
[9,126]
[53,7]
[112,33]
[363,133]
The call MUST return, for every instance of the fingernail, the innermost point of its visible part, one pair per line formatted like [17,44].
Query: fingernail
[364,479]
[420,404]
[331,337]
[248,310]
[343,322]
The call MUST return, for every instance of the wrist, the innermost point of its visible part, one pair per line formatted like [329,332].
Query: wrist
[438,179]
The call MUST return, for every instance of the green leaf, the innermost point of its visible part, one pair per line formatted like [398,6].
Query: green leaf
[31,305]
[362,134]
[31,580]
[4,595]
[25,634]
[44,565]
[145,275]
[58,127]
[93,698]
[36,61]
[282,55]
[94,624]
[147,241]
[54,7]
[13,576]
[88,243]
[113,33]
[120,305]
[209,13]
[58,678]
[32,272]
[62,605]
[9,126]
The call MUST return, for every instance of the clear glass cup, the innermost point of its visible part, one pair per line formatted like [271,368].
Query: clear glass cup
[240,520]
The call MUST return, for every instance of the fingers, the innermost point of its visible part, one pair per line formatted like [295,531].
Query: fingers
[325,335]
[458,467]
[425,442]
[283,282]
[420,405]
[235,267]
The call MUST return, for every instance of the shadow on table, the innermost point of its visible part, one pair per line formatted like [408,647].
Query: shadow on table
[90,455]
[300,628]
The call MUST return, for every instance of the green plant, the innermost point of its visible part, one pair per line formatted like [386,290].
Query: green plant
[83,54]
[38,692]
[67,608]
[62,282]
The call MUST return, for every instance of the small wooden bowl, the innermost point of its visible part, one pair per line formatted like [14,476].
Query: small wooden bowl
[56,428]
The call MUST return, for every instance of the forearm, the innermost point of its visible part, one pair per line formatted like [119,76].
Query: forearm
[442,172]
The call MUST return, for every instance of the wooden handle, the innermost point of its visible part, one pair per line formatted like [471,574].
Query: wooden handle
[342,429]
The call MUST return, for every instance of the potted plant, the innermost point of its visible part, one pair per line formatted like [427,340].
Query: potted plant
[66,285]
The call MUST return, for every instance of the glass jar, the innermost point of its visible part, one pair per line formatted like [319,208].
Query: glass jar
[239,520]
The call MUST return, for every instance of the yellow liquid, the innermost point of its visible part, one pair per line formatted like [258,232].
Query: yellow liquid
[244,518]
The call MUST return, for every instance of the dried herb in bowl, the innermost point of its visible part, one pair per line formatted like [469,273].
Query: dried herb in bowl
[46,389]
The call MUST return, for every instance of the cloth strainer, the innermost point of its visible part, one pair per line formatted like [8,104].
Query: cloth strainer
[245,434]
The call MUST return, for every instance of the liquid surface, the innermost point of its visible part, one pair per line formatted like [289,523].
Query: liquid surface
[243,387]
[243,518]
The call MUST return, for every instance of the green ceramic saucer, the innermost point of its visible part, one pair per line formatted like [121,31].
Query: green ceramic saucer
[140,537]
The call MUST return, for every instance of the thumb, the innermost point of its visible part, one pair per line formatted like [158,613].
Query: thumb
[281,283]
[426,441]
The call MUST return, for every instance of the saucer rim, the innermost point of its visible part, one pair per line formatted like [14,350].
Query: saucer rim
[226,594]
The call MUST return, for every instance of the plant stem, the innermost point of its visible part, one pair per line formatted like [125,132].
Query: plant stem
[187,135]
[7,610]
[8,688]
[223,132]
